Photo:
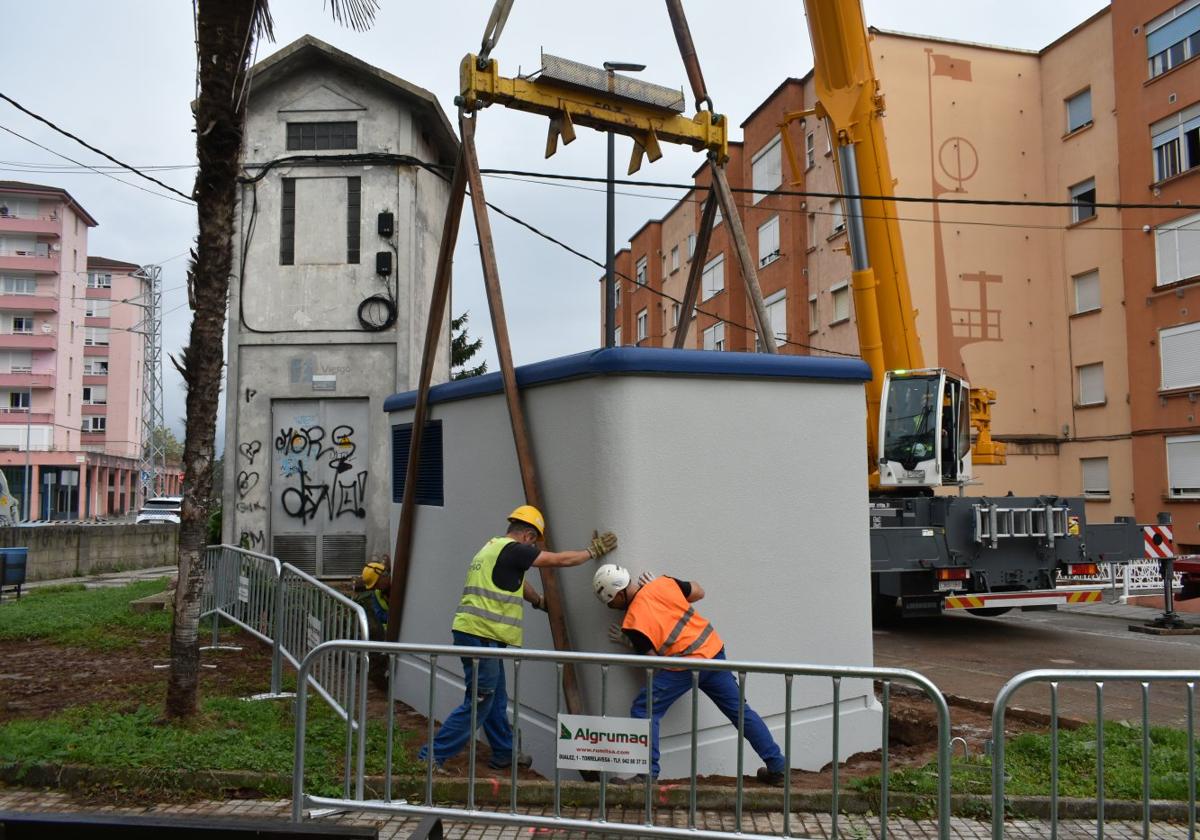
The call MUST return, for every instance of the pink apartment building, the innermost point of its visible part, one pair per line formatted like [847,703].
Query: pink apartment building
[70,362]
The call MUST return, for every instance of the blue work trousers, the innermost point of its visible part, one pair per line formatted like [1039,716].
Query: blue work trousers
[491,709]
[722,688]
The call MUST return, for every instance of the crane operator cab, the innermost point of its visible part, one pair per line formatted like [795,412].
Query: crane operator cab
[925,429]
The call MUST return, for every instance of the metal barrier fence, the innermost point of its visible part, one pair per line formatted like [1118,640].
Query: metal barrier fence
[242,587]
[1099,678]
[519,657]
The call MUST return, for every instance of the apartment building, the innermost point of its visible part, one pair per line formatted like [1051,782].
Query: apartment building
[1082,318]
[70,363]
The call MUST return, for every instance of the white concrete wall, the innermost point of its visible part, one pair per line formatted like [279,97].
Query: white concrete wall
[772,526]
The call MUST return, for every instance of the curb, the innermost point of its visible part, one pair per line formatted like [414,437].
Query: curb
[235,784]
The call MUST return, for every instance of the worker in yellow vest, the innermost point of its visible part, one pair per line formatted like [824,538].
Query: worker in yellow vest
[661,621]
[489,615]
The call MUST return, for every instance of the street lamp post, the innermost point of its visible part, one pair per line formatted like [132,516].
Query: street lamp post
[610,268]
[28,420]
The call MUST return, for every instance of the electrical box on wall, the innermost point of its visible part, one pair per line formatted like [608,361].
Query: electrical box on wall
[383,263]
[387,224]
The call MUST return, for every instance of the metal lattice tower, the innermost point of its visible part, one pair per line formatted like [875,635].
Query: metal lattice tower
[153,465]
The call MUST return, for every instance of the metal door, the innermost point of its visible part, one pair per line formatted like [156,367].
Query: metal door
[318,489]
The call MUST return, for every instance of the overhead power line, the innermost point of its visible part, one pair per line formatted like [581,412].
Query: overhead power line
[88,145]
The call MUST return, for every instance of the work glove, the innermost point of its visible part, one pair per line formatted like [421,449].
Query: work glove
[646,577]
[617,637]
[602,544]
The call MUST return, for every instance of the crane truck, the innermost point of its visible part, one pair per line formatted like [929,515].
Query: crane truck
[928,427]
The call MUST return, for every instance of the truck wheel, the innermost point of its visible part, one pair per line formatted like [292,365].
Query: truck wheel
[989,612]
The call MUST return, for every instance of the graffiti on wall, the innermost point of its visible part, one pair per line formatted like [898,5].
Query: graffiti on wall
[318,473]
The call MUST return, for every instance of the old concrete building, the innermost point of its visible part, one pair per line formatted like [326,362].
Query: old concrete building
[337,236]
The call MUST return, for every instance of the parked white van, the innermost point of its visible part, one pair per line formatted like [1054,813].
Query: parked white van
[161,509]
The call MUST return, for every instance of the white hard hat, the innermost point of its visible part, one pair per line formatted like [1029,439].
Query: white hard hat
[609,580]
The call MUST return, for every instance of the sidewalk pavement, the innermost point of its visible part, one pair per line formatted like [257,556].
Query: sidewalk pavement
[107,579]
[802,825]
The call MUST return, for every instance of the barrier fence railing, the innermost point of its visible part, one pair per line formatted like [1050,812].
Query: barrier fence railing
[520,658]
[1099,679]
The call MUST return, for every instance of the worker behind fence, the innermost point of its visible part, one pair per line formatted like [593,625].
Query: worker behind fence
[661,621]
[489,615]
[375,583]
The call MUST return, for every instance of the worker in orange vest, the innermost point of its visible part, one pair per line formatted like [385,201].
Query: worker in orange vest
[661,621]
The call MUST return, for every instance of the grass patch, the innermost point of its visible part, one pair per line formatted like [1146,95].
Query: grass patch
[98,619]
[228,734]
[1027,763]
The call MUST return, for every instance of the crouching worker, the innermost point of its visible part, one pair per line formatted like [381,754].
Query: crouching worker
[661,621]
[375,583]
[489,615]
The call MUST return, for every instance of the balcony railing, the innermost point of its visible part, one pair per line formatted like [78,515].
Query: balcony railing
[29,303]
[16,378]
[27,341]
[47,225]
[21,416]
[19,260]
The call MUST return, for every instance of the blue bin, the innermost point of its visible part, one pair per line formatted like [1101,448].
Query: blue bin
[14,562]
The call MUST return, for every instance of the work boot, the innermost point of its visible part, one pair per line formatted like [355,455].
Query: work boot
[771,777]
[524,761]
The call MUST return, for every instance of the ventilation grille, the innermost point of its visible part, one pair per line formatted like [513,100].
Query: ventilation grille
[343,555]
[298,549]
[429,490]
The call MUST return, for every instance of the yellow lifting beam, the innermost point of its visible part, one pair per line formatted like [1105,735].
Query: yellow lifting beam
[569,105]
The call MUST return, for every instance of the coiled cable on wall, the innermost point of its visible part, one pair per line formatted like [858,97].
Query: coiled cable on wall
[377,313]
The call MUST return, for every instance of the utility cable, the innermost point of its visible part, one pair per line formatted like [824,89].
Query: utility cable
[88,145]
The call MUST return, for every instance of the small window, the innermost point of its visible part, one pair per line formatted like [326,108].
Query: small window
[640,277]
[777,314]
[287,222]
[617,337]
[429,489]
[1079,110]
[691,245]
[714,337]
[675,307]
[674,259]
[95,395]
[813,321]
[1083,197]
[18,285]
[319,136]
[643,325]
[1179,352]
[353,218]
[1095,476]
[1091,383]
[98,308]
[664,266]
[768,242]
[99,280]
[713,279]
[19,400]
[766,169]
[93,425]
[837,217]
[1177,250]
[94,367]
[812,231]
[1183,467]
[841,303]
[1087,291]
[1175,141]
[616,295]
[95,336]
[1173,38]
[810,150]
[22,324]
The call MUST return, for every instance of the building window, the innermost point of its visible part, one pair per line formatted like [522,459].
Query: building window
[430,488]
[691,245]
[713,279]
[768,242]
[1176,143]
[838,217]
[617,337]
[22,324]
[1083,197]
[98,308]
[353,218]
[718,217]
[1079,110]
[95,395]
[15,285]
[777,314]
[95,336]
[812,231]
[1087,291]
[810,150]
[287,222]
[616,295]
[643,325]
[1177,249]
[766,169]
[675,307]
[19,400]
[1179,352]
[16,361]
[319,136]
[92,425]
[1173,38]
[1095,476]
[714,337]
[1183,467]
[640,277]
[841,303]
[95,367]
[1091,383]
[99,280]
[812,314]
[674,259]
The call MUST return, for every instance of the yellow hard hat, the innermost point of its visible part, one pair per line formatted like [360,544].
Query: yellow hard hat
[371,574]
[530,516]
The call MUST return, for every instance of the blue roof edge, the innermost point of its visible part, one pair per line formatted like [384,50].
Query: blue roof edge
[625,360]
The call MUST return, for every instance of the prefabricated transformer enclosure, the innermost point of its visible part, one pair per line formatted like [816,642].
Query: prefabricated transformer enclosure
[743,472]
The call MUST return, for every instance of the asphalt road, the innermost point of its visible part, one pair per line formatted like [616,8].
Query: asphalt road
[974,657]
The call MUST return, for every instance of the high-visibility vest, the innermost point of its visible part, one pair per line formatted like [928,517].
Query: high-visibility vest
[485,609]
[662,614]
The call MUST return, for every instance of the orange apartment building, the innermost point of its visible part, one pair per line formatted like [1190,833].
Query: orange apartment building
[70,362]
[1085,319]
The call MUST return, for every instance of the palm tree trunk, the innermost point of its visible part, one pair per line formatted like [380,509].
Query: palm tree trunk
[225,33]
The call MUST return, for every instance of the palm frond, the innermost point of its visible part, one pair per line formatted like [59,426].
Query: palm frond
[359,15]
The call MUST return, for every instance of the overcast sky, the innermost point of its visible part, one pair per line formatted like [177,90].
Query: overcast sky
[121,73]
